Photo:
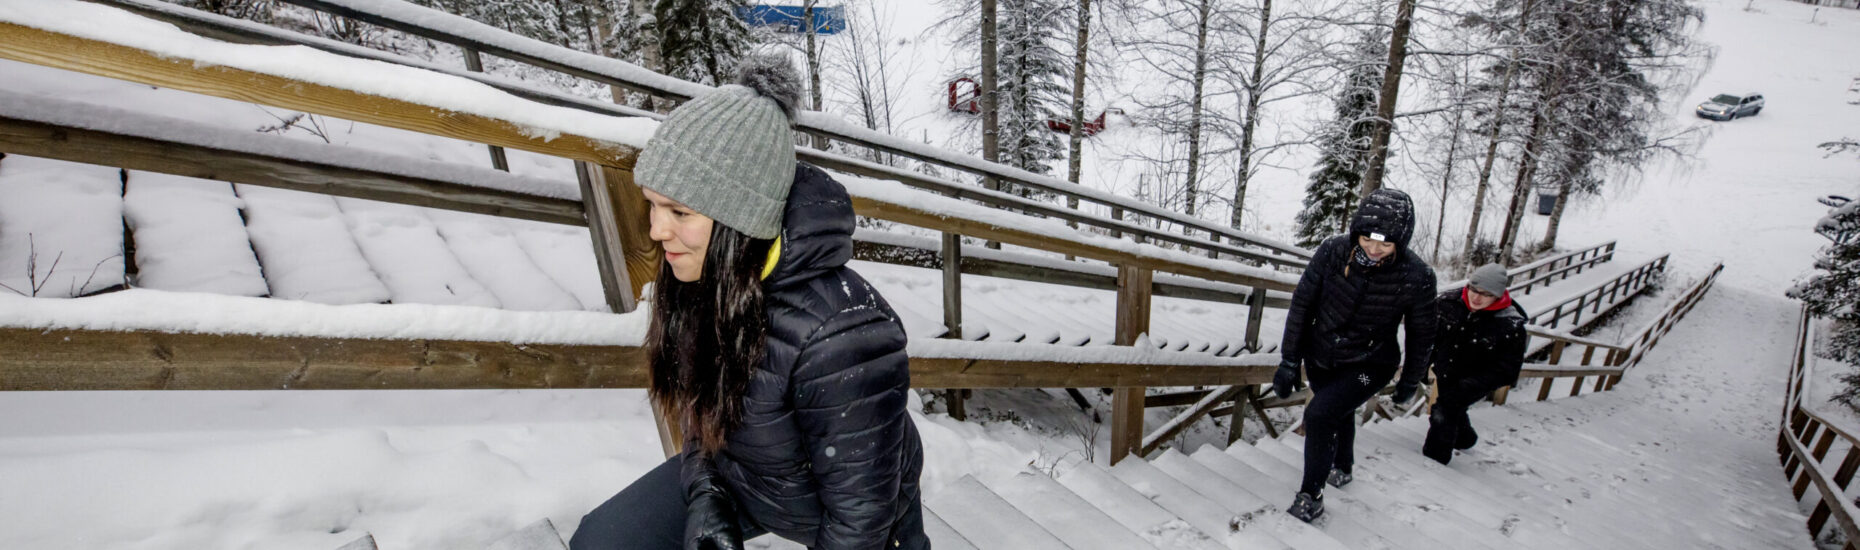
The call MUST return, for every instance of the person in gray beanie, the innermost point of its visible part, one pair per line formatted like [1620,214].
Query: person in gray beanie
[1478,348]
[785,369]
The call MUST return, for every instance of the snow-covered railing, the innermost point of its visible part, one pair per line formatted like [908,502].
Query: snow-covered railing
[1601,296]
[1803,443]
[478,38]
[1561,266]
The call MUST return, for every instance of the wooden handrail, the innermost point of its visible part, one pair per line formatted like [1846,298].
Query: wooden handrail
[62,359]
[69,131]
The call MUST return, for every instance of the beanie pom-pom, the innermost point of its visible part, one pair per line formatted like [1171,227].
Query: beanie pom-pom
[772,76]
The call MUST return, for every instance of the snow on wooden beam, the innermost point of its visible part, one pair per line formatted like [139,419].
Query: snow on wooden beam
[83,359]
[312,81]
[63,130]
[39,359]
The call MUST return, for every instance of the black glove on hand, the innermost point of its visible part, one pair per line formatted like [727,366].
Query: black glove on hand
[1285,381]
[710,519]
[1404,391]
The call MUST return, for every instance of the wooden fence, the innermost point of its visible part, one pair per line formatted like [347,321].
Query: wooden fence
[1803,443]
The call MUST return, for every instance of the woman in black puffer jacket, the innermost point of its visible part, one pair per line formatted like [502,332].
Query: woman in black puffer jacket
[1358,289]
[785,368]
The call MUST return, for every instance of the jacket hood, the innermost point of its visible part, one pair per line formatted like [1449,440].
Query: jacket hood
[1387,212]
[816,232]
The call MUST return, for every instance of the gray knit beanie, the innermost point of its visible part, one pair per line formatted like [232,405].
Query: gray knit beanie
[729,154]
[1490,279]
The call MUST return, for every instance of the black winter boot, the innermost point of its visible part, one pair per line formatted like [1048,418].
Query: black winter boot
[1307,507]
[1339,478]
[1467,438]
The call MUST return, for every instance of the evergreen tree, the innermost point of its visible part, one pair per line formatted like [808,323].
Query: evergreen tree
[1834,289]
[1033,72]
[701,40]
[1330,198]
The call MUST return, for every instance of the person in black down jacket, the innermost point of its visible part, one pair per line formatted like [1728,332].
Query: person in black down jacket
[1479,349]
[786,369]
[1341,328]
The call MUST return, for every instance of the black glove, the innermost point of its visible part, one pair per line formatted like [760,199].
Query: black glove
[710,519]
[1404,391]
[1285,381]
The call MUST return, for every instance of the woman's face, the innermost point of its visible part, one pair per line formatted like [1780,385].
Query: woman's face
[683,233]
[1377,250]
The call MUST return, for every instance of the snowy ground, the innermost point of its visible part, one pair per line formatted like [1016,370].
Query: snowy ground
[449,469]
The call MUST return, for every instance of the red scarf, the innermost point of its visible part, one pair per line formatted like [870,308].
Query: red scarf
[1497,305]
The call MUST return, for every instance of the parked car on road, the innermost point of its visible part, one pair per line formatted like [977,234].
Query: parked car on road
[1727,106]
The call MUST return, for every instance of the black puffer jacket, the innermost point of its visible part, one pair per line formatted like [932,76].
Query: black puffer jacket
[1478,351]
[826,454]
[1347,314]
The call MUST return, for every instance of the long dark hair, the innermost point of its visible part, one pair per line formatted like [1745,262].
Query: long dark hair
[707,336]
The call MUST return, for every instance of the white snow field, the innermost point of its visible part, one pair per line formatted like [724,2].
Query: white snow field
[1681,454]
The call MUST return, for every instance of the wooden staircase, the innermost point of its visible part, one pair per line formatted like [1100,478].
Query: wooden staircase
[1570,473]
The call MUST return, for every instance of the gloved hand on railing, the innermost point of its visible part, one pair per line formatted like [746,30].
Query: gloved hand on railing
[1285,381]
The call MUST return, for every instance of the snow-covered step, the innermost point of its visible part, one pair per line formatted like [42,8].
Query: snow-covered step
[189,236]
[304,245]
[941,534]
[1345,516]
[489,252]
[367,542]
[1252,510]
[1065,515]
[1554,463]
[61,227]
[1179,499]
[1429,517]
[1547,495]
[536,536]
[1467,495]
[404,248]
[1409,475]
[566,253]
[1133,509]
[988,521]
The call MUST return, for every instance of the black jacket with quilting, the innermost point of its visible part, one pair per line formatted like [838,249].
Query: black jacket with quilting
[826,454]
[1348,314]
[1478,351]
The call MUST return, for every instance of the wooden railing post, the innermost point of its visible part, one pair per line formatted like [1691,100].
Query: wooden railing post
[627,257]
[951,257]
[475,64]
[1236,426]
[1133,320]
[1255,314]
[1843,477]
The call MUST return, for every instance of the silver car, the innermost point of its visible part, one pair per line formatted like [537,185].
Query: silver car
[1727,106]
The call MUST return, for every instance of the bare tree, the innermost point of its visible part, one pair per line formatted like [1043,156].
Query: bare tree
[1385,107]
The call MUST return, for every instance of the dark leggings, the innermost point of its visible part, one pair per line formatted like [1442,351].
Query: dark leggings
[650,515]
[647,515]
[1330,430]
[1449,427]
